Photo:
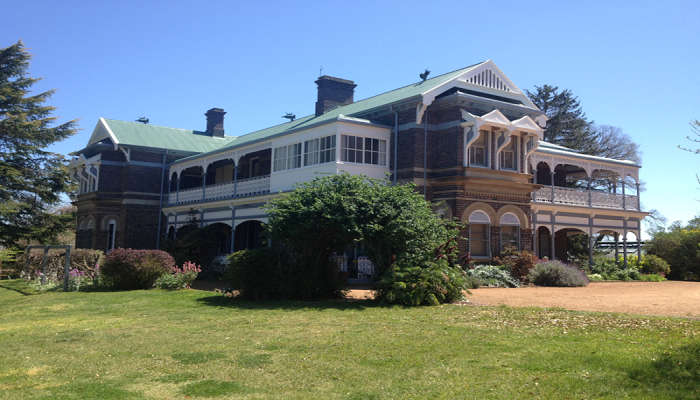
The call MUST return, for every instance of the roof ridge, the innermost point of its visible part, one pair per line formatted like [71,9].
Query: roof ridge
[412,84]
[149,125]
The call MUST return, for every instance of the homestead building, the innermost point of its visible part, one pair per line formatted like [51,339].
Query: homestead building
[469,139]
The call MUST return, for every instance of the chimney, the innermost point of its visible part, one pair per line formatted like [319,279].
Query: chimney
[215,122]
[333,92]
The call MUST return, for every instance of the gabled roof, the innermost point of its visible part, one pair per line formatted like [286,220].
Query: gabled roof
[160,137]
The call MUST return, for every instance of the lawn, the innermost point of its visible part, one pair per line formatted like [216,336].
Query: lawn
[197,344]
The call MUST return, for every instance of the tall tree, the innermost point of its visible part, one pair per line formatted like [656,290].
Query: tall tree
[567,124]
[612,142]
[31,178]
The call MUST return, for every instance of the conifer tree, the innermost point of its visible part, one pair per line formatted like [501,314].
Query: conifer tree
[567,125]
[32,179]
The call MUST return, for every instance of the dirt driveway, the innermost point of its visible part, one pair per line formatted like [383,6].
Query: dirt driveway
[680,299]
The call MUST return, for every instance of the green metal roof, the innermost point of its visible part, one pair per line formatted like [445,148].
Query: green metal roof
[145,135]
[357,107]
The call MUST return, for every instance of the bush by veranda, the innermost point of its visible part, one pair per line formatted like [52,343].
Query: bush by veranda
[493,276]
[128,269]
[179,278]
[518,263]
[556,273]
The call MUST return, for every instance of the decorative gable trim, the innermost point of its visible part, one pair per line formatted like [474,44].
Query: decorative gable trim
[485,77]
[103,131]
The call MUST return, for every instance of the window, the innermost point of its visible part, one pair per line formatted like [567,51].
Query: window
[111,233]
[510,231]
[478,155]
[479,233]
[363,150]
[318,151]
[507,158]
[287,157]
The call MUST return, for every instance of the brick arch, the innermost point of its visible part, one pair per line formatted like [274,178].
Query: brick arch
[509,208]
[480,206]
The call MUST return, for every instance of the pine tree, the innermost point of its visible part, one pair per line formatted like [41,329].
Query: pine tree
[567,125]
[32,179]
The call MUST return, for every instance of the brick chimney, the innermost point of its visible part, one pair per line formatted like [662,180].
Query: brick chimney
[215,122]
[333,92]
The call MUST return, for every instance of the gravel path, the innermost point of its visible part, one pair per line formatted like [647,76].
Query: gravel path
[671,298]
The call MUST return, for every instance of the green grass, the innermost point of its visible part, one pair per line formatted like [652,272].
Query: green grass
[195,344]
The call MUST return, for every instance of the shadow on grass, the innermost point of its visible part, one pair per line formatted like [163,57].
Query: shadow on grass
[677,369]
[335,304]
[20,286]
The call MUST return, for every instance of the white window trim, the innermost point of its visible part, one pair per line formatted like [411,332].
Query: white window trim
[363,150]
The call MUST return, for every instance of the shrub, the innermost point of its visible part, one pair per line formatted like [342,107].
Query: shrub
[652,264]
[651,278]
[179,278]
[493,276]
[127,269]
[555,273]
[680,247]
[628,274]
[595,277]
[431,282]
[604,266]
[518,263]
[398,229]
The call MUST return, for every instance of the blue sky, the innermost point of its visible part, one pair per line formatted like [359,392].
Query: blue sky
[634,65]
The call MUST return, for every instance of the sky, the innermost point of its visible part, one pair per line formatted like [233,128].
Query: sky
[633,64]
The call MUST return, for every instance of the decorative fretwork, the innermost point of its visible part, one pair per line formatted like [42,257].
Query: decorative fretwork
[488,78]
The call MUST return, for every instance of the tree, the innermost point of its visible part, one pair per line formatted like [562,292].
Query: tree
[612,142]
[31,178]
[680,247]
[567,124]
[414,250]
[695,138]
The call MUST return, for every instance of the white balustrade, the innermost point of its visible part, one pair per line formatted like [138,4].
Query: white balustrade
[577,197]
[245,187]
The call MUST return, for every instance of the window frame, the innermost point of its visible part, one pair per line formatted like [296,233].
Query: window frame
[365,150]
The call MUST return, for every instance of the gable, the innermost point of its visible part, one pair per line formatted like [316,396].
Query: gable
[484,78]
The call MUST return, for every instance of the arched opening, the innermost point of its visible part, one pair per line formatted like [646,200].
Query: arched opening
[479,234]
[173,182]
[219,235]
[571,246]
[544,243]
[220,172]
[509,231]
[570,176]
[255,164]
[248,235]
[544,176]
[171,233]
[191,178]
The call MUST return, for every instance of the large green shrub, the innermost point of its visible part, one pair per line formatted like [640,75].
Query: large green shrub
[680,247]
[493,276]
[652,264]
[556,273]
[397,226]
[429,283]
[128,269]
